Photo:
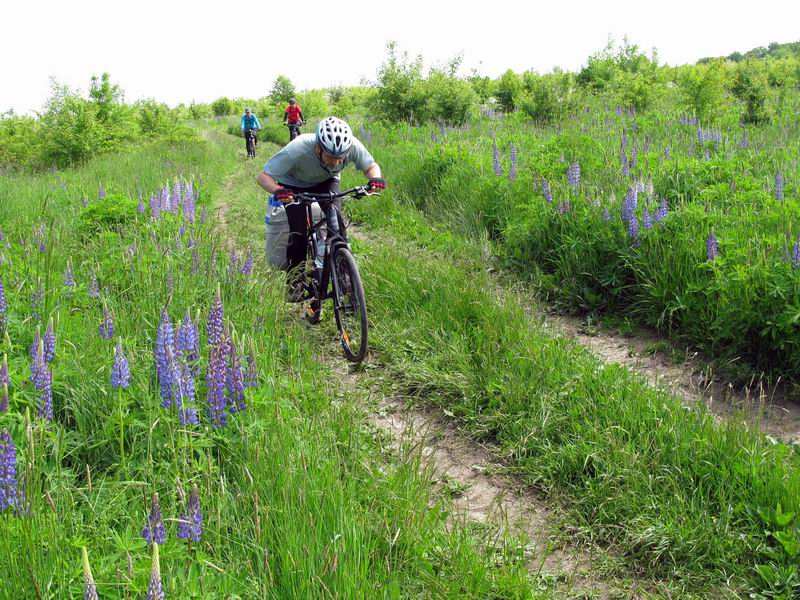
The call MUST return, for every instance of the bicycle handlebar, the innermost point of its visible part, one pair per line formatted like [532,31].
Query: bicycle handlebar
[357,192]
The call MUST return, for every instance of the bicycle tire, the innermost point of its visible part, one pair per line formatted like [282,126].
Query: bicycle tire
[349,305]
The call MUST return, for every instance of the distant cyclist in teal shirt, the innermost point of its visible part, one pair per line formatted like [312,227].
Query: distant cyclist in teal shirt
[249,120]
[250,126]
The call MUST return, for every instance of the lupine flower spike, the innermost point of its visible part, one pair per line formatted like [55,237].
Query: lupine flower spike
[191,523]
[154,530]
[69,276]
[712,246]
[120,371]
[49,341]
[89,586]
[155,591]
[42,380]
[498,170]
[796,254]
[215,320]
[3,306]
[4,399]
[107,325]
[8,471]
[4,378]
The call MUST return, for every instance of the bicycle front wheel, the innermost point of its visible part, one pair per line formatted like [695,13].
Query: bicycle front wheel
[349,305]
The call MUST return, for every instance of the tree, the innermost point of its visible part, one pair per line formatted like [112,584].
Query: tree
[508,90]
[282,90]
[106,96]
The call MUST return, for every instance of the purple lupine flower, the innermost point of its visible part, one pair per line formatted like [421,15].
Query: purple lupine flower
[187,339]
[563,207]
[234,378]
[215,385]
[233,262]
[512,173]
[101,193]
[215,321]
[2,235]
[69,277]
[247,266]
[624,142]
[186,411]
[165,342]
[712,246]
[94,287]
[169,282]
[633,230]
[107,325]
[42,246]
[251,377]
[120,370]
[155,591]
[629,205]
[84,202]
[4,399]
[667,153]
[8,471]
[49,341]
[154,530]
[3,306]
[164,199]
[779,186]
[141,207]
[606,215]
[191,523]
[37,339]
[796,254]
[188,204]
[203,216]
[634,153]
[744,143]
[155,207]
[647,221]
[574,174]
[662,211]
[42,379]
[498,170]
[37,301]
[646,146]
[4,377]
[548,194]
[89,586]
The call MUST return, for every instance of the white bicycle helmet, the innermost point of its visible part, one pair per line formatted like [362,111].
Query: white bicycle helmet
[334,136]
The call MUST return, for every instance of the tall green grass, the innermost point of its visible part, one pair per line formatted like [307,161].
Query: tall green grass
[682,498]
[740,309]
[297,499]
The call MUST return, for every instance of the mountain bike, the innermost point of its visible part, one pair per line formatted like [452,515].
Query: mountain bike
[339,279]
[250,142]
[294,129]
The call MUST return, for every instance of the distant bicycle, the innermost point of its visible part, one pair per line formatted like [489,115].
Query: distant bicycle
[340,279]
[294,129]
[251,142]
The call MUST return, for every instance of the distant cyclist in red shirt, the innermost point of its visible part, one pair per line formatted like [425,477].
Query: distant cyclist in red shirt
[293,117]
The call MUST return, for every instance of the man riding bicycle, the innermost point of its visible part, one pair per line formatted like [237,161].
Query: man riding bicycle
[312,163]
[293,117]
[249,126]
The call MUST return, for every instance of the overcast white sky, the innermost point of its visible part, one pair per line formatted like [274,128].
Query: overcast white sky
[179,51]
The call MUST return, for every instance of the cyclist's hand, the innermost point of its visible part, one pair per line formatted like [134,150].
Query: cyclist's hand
[284,195]
[376,184]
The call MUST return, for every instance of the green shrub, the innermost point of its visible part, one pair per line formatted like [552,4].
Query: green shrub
[112,212]
[750,85]
[222,107]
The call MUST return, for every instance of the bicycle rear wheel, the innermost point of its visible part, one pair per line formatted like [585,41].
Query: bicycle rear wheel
[349,305]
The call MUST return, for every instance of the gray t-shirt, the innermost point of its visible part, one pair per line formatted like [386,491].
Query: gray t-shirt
[298,166]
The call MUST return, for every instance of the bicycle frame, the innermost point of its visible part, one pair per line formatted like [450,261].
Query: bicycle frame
[333,241]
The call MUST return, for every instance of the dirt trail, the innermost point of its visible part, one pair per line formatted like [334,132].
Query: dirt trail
[472,476]
[691,380]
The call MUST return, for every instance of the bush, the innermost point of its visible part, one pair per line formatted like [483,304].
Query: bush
[112,212]
[282,90]
[508,91]
[222,107]
[703,89]
[19,142]
[750,85]
[548,98]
